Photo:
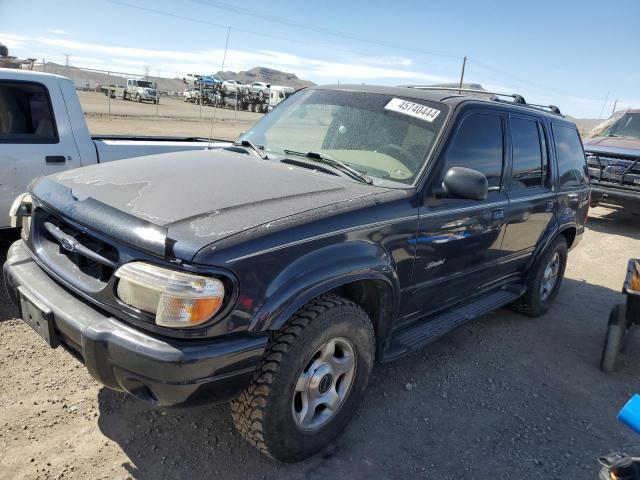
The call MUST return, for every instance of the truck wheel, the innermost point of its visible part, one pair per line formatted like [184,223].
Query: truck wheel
[545,278]
[138,98]
[310,382]
[124,96]
[614,339]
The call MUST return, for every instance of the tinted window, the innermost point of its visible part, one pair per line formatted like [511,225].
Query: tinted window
[25,114]
[478,145]
[527,154]
[571,161]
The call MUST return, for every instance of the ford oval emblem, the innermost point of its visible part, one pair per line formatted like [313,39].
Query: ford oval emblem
[68,244]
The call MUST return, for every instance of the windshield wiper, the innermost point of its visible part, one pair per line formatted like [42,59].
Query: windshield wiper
[257,149]
[337,164]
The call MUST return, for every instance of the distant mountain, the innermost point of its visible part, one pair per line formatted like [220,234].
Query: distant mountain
[91,79]
[266,75]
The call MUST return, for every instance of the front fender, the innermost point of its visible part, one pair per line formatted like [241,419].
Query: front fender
[321,271]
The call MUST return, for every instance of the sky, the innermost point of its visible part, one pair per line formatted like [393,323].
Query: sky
[571,53]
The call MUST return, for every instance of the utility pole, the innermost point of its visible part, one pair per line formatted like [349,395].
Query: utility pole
[464,64]
[604,104]
[66,63]
[146,71]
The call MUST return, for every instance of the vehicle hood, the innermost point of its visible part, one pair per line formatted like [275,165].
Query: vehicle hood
[195,198]
[613,145]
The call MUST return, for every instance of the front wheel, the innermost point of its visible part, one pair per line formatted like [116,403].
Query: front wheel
[614,339]
[310,382]
[545,278]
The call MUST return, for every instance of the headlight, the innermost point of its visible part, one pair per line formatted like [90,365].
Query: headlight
[178,299]
[20,214]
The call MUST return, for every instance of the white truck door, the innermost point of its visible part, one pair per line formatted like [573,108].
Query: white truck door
[35,135]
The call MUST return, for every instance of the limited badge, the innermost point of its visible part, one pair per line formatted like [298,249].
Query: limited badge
[412,109]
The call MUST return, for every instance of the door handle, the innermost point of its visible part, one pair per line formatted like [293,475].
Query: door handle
[548,206]
[55,159]
[498,214]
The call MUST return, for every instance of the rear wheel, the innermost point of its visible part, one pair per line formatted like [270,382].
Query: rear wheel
[614,339]
[544,280]
[310,382]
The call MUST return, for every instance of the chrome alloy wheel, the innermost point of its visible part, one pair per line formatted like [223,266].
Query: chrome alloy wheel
[324,384]
[550,277]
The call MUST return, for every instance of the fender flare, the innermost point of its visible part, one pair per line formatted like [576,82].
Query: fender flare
[324,270]
[551,235]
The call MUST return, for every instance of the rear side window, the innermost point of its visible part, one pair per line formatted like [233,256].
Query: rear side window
[572,165]
[25,114]
[478,145]
[528,158]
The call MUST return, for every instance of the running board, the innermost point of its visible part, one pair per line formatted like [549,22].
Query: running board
[417,336]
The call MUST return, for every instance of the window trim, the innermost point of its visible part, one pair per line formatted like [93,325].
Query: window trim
[546,184]
[552,128]
[429,181]
[454,133]
[51,141]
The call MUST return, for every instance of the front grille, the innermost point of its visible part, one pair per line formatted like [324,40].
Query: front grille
[74,253]
[611,170]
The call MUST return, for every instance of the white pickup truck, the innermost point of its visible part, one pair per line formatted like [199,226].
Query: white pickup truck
[43,131]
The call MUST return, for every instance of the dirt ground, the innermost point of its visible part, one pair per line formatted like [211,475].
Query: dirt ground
[172,117]
[503,397]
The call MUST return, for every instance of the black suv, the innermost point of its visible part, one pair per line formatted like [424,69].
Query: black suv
[613,157]
[351,224]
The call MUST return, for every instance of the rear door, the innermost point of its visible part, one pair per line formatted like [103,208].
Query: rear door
[531,193]
[458,241]
[573,179]
[35,138]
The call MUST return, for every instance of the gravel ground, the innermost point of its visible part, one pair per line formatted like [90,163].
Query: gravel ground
[172,117]
[503,397]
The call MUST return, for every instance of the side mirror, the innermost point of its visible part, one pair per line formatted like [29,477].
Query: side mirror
[466,183]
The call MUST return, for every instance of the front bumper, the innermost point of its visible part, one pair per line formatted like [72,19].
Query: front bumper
[614,196]
[161,371]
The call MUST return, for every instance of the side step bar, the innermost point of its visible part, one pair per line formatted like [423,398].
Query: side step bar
[417,336]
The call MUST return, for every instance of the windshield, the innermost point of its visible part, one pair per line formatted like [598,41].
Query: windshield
[627,126]
[144,84]
[382,136]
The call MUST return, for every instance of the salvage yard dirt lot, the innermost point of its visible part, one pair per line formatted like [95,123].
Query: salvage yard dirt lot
[172,117]
[503,397]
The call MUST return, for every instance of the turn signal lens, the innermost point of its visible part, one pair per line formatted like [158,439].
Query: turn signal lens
[635,277]
[178,299]
[20,214]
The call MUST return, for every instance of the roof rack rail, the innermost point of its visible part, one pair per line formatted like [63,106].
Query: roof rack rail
[518,99]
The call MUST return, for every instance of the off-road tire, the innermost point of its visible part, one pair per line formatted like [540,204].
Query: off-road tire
[613,341]
[263,412]
[531,303]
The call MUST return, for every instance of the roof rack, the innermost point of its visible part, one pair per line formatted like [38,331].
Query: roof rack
[517,99]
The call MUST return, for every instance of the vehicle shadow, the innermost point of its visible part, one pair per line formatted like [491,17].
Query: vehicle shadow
[7,309]
[615,222]
[493,390]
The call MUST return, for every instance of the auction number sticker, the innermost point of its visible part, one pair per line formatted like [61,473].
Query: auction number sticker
[412,109]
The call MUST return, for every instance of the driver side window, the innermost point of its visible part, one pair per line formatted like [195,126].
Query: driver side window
[478,144]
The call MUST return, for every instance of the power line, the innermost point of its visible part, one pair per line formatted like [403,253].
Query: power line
[240,29]
[318,29]
[327,31]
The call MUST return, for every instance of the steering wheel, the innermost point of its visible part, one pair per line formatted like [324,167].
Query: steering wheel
[399,153]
